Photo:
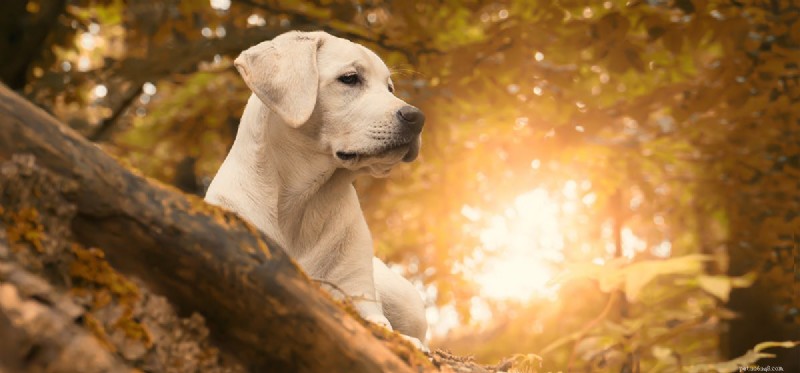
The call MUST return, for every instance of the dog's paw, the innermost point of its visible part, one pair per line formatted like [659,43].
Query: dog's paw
[384,322]
[417,343]
[380,320]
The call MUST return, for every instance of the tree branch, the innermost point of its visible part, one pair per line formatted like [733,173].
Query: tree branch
[106,127]
[258,304]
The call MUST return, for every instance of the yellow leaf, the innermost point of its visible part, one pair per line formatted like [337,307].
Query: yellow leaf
[635,282]
[638,275]
[785,344]
[662,353]
[718,286]
[744,281]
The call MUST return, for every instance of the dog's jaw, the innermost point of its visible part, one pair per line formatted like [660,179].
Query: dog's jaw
[378,163]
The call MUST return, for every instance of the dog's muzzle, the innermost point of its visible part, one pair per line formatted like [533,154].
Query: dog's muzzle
[411,121]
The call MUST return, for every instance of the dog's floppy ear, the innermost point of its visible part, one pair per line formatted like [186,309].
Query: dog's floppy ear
[283,74]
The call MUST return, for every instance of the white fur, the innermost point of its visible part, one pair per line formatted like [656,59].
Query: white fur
[283,174]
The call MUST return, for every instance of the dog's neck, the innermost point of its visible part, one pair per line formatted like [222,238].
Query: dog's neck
[280,170]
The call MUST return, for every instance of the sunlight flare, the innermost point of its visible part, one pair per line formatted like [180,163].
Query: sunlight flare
[522,245]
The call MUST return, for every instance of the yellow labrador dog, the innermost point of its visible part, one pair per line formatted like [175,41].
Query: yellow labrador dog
[322,111]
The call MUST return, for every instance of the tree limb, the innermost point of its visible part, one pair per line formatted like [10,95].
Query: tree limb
[258,304]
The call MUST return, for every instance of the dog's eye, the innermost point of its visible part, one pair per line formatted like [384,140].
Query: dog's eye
[391,89]
[349,79]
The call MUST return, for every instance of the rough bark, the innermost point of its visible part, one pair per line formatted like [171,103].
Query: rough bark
[257,303]
[39,332]
[74,292]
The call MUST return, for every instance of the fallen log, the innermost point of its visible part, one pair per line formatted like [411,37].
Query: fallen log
[259,305]
[41,336]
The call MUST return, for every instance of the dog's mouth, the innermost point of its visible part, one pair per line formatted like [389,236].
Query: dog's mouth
[350,156]
[345,156]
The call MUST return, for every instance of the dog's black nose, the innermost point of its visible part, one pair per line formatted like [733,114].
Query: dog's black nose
[412,118]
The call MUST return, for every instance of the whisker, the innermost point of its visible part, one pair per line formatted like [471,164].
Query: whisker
[404,71]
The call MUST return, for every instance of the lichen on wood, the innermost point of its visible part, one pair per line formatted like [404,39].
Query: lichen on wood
[134,327]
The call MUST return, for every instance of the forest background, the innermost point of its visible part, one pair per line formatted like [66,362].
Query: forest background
[603,185]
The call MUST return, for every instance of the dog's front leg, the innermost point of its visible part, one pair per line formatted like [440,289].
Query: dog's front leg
[367,311]
[367,302]
[359,287]
[353,273]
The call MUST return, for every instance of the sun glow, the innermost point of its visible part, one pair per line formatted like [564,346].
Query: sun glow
[521,247]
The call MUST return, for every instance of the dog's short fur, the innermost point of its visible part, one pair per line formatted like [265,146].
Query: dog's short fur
[308,129]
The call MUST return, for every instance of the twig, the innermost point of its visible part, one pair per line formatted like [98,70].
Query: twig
[106,127]
[591,324]
[601,354]
[578,335]
[347,297]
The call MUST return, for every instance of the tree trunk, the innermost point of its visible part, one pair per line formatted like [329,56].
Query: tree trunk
[259,306]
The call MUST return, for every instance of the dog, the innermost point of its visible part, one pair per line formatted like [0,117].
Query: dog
[322,112]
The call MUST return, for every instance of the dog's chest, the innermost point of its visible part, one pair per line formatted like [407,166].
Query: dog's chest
[315,227]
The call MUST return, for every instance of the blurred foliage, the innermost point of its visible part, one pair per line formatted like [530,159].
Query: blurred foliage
[748,359]
[677,119]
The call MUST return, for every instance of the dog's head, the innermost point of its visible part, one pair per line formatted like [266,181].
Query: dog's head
[338,95]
